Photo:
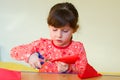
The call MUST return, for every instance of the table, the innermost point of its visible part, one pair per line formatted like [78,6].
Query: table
[45,76]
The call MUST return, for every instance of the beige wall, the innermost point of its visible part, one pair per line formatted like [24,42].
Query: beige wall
[22,21]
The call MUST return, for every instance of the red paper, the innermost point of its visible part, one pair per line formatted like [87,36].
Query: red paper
[6,74]
[68,59]
[89,72]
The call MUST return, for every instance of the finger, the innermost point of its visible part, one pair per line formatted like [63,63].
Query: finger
[33,65]
[38,65]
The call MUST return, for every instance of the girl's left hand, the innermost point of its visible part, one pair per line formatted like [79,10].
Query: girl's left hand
[62,67]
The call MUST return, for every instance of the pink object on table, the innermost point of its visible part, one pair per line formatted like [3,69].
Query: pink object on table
[6,74]
[89,72]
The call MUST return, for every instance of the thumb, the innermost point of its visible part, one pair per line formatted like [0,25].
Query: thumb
[38,65]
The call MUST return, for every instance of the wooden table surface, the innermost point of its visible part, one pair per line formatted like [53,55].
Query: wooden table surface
[45,76]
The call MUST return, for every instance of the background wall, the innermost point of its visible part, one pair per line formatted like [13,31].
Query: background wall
[23,21]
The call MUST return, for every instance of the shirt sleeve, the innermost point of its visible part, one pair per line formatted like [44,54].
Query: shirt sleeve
[80,64]
[23,52]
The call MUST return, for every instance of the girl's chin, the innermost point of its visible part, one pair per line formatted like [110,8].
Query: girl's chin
[59,45]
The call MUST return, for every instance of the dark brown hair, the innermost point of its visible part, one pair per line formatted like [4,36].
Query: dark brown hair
[62,14]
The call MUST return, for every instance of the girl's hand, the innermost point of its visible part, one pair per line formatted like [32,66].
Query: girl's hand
[62,67]
[34,61]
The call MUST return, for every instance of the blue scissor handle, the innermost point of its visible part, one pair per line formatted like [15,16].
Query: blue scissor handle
[41,57]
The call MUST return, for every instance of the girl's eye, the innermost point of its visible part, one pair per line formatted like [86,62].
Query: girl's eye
[65,31]
[54,29]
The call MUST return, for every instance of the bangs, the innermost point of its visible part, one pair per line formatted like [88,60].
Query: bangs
[60,18]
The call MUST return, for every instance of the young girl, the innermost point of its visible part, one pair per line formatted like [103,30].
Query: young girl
[62,21]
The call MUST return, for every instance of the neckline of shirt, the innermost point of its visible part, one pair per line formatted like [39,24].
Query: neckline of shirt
[62,47]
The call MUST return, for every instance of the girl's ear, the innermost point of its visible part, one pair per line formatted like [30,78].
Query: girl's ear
[74,30]
[77,27]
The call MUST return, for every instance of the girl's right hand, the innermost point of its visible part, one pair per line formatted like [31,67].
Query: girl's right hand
[62,67]
[34,61]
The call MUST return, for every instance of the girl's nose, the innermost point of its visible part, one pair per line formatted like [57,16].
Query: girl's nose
[59,34]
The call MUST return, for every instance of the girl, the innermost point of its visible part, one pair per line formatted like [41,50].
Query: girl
[62,21]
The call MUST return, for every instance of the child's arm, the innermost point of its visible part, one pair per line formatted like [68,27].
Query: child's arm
[23,52]
[81,63]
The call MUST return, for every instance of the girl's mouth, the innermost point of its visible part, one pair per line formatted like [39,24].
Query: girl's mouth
[59,41]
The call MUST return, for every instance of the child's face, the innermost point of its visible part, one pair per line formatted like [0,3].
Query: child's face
[61,36]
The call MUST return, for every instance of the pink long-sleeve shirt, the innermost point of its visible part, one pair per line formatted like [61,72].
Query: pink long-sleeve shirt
[49,51]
